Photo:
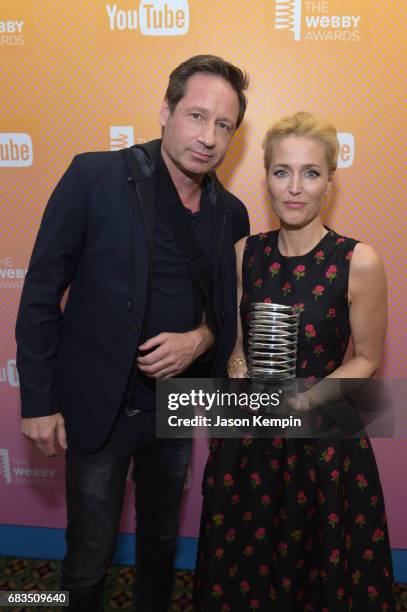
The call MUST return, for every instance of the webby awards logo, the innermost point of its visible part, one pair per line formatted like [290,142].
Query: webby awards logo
[11,33]
[10,276]
[152,17]
[317,20]
[5,472]
[19,470]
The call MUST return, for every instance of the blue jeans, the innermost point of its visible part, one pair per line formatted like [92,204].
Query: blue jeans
[95,486]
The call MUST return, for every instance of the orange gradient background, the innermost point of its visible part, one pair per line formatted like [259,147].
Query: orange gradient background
[74,78]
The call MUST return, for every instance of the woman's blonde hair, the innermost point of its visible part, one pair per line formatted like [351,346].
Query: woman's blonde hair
[303,123]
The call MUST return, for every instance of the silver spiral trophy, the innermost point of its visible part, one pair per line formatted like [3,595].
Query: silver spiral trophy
[272,343]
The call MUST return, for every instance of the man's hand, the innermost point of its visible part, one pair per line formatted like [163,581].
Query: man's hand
[174,352]
[41,431]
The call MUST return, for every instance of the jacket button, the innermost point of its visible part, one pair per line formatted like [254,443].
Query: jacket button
[222,316]
[134,328]
[123,367]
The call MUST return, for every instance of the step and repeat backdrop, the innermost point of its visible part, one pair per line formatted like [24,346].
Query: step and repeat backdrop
[90,75]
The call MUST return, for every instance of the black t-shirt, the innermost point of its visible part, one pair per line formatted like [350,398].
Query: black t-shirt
[176,302]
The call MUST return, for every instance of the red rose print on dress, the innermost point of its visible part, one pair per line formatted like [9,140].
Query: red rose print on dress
[291,461]
[331,314]
[274,464]
[372,592]
[248,551]
[340,240]
[333,519]
[264,570]
[327,454]
[360,520]
[299,272]
[310,331]
[319,256]
[267,250]
[377,536]
[255,480]
[317,291]
[274,269]
[299,307]
[260,534]
[330,366]
[334,557]
[250,261]
[217,591]
[373,501]
[244,587]
[228,481]
[287,288]
[247,517]
[231,535]
[267,300]
[331,273]
[258,284]
[219,553]
[335,476]
[349,255]
[318,350]
[301,498]
[265,501]
[361,481]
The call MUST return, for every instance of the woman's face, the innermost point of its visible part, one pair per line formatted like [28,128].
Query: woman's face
[298,179]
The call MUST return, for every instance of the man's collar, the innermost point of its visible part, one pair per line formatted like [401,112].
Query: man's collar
[148,155]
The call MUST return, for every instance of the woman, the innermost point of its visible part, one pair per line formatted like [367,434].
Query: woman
[299,524]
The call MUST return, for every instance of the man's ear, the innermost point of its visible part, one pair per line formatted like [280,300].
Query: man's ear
[164,113]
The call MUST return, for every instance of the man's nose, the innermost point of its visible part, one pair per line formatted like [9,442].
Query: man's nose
[207,135]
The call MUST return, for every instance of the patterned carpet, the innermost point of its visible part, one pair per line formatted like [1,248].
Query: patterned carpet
[37,575]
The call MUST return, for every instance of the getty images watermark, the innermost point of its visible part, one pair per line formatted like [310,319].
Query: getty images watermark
[229,408]
[220,403]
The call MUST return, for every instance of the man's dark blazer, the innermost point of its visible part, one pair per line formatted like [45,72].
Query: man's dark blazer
[92,239]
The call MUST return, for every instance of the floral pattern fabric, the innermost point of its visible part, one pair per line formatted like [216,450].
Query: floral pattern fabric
[296,524]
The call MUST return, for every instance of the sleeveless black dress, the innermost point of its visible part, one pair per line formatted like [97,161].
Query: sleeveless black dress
[296,524]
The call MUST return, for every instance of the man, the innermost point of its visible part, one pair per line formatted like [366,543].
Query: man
[136,311]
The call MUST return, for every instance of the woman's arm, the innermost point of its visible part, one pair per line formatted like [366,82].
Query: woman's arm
[237,367]
[367,298]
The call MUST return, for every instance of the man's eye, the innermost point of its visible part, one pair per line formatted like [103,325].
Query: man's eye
[224,126]
[196,115]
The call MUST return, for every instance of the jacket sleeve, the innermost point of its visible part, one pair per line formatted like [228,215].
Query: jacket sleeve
[55,255]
